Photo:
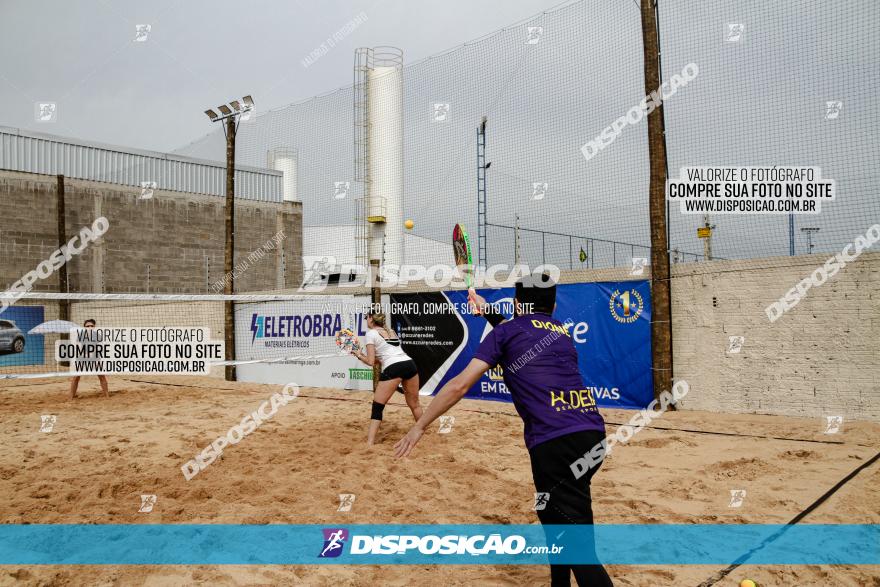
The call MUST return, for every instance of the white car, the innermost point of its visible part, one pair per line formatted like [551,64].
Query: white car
[11,338]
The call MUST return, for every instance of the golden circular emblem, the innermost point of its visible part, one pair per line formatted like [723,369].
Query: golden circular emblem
[626,306]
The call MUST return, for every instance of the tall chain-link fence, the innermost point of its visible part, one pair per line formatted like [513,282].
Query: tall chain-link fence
[786,84]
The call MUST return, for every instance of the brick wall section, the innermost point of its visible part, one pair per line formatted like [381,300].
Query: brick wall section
[174,238]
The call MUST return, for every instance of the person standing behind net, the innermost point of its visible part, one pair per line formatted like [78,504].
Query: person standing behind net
[561,421]
[382,344]
[102,379]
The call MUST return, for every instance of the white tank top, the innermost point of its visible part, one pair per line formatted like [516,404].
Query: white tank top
[388,351]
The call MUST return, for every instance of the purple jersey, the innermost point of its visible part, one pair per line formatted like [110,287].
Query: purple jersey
[540,367]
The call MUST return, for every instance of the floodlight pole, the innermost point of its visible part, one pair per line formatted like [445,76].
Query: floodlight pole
[482,231]
[229,253]
[230,118]
[809,230]
[707,241]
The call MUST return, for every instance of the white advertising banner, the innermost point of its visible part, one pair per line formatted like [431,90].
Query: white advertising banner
[299,337]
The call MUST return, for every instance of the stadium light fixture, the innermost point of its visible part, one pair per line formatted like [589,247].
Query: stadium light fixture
[231,109]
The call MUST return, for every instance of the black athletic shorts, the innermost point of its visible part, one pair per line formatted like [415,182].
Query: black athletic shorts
[404,369]
[570,499]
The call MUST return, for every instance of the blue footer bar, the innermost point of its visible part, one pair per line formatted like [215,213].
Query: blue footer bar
[636,544]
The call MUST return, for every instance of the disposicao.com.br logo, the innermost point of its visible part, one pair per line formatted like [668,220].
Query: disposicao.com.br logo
[450,544]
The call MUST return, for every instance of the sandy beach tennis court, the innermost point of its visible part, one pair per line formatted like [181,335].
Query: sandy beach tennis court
[103,454]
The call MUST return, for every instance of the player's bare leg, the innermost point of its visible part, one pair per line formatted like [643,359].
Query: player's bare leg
[411,393]
[103,380]
[74,383]
[384,391]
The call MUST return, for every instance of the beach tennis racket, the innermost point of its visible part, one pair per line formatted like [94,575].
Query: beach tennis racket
[347,341]
[461,247]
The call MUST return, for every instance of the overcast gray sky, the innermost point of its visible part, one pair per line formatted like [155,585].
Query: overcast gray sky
[150,95]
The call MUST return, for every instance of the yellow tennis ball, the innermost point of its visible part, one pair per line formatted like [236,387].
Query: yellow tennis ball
[747,583]
[409,224]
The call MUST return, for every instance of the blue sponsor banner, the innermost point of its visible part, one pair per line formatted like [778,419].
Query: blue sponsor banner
[610,328]
[638,544]
[15,322]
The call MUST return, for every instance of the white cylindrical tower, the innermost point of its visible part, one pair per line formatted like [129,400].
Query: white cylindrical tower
[285,160]
[385,155]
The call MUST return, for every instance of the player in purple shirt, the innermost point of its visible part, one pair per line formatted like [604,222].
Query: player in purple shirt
[559,413]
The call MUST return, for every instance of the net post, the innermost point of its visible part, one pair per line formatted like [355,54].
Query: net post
[661,325]
[63,305]
[375,300]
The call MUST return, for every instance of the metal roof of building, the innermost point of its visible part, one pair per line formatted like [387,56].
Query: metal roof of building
[34,152]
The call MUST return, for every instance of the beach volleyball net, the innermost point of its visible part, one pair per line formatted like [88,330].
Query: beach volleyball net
[161,334]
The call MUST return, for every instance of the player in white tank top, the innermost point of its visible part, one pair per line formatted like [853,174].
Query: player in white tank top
[381,345]
[388,351]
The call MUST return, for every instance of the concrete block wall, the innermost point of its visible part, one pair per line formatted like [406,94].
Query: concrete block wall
[821,358]
[172,243]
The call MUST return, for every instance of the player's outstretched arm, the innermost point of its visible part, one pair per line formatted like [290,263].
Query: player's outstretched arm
[447,397]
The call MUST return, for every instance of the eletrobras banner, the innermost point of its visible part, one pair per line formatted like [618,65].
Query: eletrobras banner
[299,337]
[610,325]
